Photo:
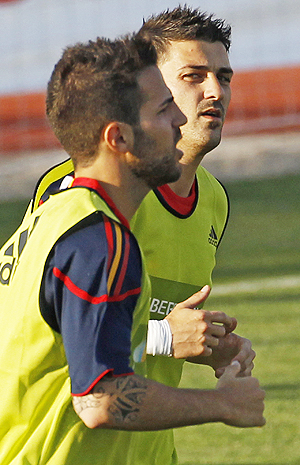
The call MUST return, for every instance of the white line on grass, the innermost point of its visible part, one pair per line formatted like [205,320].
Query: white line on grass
[239,287]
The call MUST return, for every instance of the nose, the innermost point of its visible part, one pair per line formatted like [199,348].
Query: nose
[212,88]
[179,118]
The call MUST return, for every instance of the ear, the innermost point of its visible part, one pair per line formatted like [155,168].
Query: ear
[119,137]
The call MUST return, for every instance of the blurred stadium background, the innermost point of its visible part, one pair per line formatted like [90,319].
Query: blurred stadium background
[261,134]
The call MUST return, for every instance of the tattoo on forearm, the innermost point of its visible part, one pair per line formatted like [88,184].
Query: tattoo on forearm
[125,393]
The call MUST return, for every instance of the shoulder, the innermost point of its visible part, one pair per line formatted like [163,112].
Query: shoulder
[96,260]
[209,185]
[94,238]
[205,176]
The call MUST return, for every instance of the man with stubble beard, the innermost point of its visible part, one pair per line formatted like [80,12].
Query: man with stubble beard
[180,225]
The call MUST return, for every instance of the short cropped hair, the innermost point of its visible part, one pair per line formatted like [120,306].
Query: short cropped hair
[183,23]
[93,84]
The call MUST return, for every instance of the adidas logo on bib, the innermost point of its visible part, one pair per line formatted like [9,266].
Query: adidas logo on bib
[212,237]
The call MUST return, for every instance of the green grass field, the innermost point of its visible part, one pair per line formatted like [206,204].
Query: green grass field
[262,244]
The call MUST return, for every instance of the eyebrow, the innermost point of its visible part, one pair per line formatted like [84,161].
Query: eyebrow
[223,69]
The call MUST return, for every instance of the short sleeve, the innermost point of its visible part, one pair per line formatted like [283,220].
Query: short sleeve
[90,287]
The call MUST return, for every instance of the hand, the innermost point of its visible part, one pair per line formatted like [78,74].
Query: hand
[193,331]
[231,348]
[243,398]
[242,352]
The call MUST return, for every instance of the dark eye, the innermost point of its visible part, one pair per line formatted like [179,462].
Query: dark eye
[193,77]
[225,78]
[163,110]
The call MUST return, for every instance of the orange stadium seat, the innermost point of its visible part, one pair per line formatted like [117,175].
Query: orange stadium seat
[264,100]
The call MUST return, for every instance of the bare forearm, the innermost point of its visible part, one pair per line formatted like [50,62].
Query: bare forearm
[137,404]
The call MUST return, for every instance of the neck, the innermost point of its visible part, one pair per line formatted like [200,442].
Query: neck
[125,190]
[125,197]
[183,186]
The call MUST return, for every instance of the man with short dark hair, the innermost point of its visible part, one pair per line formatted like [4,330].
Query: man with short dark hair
[179,226]
[74,291]
[75,301]
[189,216]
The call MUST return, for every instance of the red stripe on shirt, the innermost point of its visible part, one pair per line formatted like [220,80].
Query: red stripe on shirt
[124,265]
[88,390]
[110,240]
[119,298]
[182,205]
[86,296]
[95,185]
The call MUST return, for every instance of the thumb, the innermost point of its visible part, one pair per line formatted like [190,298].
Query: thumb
[231,327]
[232,370]
[197,298]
